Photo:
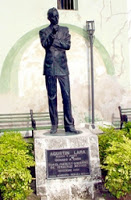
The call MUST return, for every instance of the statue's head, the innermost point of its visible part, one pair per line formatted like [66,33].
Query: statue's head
[53,16]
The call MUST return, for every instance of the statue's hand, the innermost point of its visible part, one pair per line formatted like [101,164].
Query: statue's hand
[55,29]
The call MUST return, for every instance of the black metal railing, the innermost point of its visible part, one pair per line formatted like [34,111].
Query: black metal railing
[66,4]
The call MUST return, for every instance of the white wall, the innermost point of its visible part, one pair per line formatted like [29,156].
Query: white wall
[113,49]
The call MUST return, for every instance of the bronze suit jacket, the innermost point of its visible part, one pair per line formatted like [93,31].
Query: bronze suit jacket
[55,63]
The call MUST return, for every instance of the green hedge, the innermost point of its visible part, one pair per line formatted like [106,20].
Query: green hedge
[15,159]
[115,156]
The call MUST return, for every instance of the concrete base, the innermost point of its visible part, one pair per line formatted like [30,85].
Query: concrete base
[69,188]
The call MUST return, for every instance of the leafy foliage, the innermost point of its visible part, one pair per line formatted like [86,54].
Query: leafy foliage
[105,140]
[15,159]
[127,128]
[115,156]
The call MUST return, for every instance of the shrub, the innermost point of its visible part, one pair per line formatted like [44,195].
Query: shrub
[118,166]
[127,128]
[15,159]
[115,156]
[105,140]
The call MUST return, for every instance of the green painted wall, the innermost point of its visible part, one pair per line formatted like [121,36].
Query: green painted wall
[10,68]
[20,22]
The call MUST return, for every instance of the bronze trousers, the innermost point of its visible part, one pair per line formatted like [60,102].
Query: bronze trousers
[51,85]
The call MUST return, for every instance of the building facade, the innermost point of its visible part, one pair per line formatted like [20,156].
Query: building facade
[22,85]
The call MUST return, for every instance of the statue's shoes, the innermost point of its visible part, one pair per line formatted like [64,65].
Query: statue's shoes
[72,130]
[53,130]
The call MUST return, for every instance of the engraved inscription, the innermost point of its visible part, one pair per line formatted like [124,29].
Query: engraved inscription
[67,162]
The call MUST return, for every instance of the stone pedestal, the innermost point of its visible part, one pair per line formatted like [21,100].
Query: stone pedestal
[66,188]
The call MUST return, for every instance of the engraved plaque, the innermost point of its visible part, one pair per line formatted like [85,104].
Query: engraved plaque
[64,163]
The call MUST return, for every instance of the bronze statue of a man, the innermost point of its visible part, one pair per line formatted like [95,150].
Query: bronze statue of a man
[56,40]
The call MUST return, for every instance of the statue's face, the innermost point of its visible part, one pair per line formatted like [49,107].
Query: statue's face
[54,17]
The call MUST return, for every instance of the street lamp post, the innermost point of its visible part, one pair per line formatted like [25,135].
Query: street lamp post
[90,29]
